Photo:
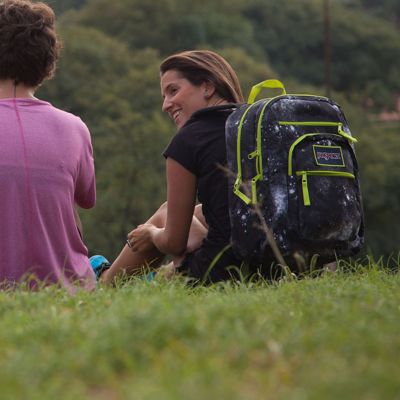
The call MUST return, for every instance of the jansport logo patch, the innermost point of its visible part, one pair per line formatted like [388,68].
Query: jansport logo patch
[328,155]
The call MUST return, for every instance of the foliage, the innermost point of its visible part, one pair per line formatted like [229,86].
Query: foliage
[278,31]
[60,6]
[387,9]
[326,338]
[108,75]
[114,91]
[169,25]
[380,174]
[365,51]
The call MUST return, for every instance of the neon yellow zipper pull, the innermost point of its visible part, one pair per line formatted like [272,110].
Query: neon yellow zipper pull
[236,190]
[254,188]
[252,154]
[306,194]
[346,135]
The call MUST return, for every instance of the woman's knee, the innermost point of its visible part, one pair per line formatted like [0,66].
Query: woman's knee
[198,213]
[159,218]
[163,207]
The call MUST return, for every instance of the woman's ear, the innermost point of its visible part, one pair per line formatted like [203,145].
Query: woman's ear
[209,90]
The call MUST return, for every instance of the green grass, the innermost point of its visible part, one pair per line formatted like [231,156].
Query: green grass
[333,337]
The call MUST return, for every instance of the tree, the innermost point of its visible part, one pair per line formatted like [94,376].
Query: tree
[169,25]
[365,49]
[108,75]
[60,6]
[114,91]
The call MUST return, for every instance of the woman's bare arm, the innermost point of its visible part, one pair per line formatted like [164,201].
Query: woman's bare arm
[181,195]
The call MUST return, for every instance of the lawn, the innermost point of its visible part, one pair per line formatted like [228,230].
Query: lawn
[331,337]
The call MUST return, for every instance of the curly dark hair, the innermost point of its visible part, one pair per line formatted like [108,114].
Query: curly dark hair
[29,47]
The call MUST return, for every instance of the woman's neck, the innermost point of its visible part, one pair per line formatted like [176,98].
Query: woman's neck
[216,101]
[8,90]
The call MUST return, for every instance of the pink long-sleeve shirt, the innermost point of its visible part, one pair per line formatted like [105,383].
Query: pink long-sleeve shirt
[46,167]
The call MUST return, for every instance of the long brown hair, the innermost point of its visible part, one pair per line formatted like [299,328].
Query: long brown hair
[198,66]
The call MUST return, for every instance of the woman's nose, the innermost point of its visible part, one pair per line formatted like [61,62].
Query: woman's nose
[166,104]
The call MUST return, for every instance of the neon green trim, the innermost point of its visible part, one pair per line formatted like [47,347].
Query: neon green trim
[309,123]
[238,182]
[328,147]
[327,173]
[304,182]
[239,136]
[252,155]
[255,154]
[268,84]
[258,154]
[241,195]
[346,135]
[294,144]
[272,83]
[306,194]
[254,188]
[259,167]
[341,132]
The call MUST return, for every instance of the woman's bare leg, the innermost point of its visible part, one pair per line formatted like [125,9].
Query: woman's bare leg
[131,262]
[198,213]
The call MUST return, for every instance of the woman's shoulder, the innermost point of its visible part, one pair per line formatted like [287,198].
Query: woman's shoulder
[221,112]
[207,119]
[201,123]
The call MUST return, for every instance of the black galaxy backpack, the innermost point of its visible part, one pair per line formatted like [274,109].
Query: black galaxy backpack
[292,157]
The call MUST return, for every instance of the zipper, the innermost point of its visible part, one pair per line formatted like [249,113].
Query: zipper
[296,142]
[304,181]
[258,155]
[339,125]
[255,154]
[238,181]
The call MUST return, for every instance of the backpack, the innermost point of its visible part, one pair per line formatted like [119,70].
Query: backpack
[293,169]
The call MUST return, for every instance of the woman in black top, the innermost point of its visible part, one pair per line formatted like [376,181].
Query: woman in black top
[199,89]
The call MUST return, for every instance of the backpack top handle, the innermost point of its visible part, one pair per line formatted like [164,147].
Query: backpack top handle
[268,84]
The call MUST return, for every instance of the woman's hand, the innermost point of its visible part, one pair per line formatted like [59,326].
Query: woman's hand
[172,237]
[141,238]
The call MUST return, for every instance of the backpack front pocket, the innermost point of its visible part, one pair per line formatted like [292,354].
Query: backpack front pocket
[304,181]
[327,205]
[324,200]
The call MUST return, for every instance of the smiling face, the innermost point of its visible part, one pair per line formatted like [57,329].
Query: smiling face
[181,97]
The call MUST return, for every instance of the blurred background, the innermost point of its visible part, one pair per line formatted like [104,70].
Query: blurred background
[108,75]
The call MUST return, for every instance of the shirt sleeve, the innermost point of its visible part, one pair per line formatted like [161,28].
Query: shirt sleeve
[85,190]
[182,149]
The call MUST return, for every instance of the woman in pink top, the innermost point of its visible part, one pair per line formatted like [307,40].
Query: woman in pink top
[46,159]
